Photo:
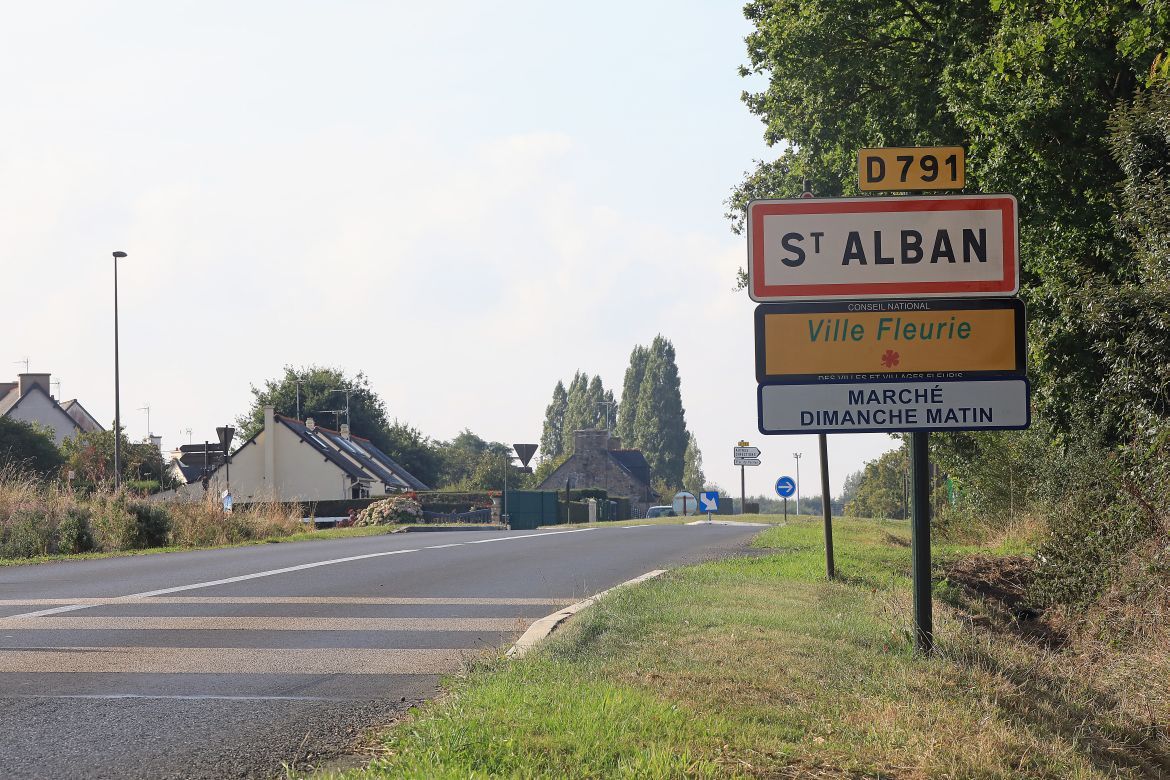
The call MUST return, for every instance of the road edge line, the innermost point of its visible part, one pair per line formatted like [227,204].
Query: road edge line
[540,630]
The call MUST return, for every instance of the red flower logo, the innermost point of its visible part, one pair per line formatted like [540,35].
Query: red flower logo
[890,359]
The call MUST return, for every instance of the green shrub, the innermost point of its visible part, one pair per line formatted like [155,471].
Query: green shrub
[73,531]
[152,524]
[26,534]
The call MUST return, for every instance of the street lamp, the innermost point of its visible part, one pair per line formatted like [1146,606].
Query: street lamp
[797,456]
[117,387]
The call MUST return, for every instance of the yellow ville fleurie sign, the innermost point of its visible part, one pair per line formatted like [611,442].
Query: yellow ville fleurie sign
[927,338]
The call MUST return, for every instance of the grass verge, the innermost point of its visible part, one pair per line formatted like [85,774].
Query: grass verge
[760,667]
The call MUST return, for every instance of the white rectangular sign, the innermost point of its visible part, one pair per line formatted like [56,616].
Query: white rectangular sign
[746,462]
[746,452]
[882,247]
[837,407]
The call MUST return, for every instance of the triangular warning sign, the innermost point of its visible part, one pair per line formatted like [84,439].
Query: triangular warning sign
[525,452]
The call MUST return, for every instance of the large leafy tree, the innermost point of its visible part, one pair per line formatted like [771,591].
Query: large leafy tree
[26,448]
[321,392]
[884,488]
[660,429]
[473,463]
[1027,87]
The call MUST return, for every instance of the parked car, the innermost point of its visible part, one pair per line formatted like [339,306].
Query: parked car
[660,511]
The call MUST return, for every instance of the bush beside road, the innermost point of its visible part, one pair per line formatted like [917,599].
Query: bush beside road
[760,667]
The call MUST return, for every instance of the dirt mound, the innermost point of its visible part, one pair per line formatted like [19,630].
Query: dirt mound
[1003,579]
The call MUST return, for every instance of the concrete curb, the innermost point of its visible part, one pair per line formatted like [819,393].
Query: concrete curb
[545,626]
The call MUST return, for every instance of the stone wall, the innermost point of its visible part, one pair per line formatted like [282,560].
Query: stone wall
[592,466]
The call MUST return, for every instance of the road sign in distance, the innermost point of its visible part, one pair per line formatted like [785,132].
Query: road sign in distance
[785,487]
[746,452]
[875,247]
[837,407]
[874,340]
[901,169]
[746,462]
[525,452]
[709,501]
[685,504]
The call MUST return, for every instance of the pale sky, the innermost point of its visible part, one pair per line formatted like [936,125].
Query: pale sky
[466,201]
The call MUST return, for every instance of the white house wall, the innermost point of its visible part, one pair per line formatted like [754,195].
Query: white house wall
[39,409]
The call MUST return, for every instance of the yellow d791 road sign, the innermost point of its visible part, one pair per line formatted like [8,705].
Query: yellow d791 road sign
[897,169]
[876,340]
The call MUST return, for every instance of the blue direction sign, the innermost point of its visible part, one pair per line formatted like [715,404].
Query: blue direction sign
[785,487]
[709,501]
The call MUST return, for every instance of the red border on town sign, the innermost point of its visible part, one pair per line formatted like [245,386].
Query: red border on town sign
[1005,204]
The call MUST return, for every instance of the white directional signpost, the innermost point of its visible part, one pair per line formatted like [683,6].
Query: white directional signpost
[744,455]
[709,502]
[892,314]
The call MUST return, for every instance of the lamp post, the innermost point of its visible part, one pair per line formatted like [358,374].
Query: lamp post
[117,386]
[797,456]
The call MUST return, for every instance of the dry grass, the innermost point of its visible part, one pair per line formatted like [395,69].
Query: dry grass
[39,520]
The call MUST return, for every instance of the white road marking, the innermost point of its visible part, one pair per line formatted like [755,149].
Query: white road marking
[443,546]
[354,600]
[253,623]
[273,572]
[643,525]
[190,697]
[234,660]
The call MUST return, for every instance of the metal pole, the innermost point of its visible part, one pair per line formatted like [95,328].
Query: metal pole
[786,510]
[504,498]
[117,390]
[742,491]
[797,456]
[920,541]
[827,506]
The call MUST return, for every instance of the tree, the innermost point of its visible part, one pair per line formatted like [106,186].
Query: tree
[24,447]
[90,456]
[631,386]
[1028,88]
[884,490]
[580,407]
[660,429]
[473,463]
[415,452]
[552,436]
[693,478]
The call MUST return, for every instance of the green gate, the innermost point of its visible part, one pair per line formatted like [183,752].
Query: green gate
[528,509]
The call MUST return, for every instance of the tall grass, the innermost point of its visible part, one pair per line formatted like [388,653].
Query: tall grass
[38,519]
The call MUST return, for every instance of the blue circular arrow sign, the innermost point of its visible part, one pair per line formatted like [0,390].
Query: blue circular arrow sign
[785,487]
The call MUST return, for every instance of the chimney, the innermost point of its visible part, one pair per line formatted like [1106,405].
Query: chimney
[27,381]
[345,430]
[615,442]
[310,423]
[590,440]
[270,450]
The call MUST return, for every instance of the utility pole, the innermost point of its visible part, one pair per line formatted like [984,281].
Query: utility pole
[797,456]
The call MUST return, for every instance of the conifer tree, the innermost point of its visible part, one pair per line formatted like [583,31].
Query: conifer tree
[660,429]
[552,436]
[631,385]
[693,477]
[578,414]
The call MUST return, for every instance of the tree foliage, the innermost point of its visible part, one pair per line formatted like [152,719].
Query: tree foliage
[693,478]
[27,448]
[1031,90]
[90,456]
[660,428]
[631,383]
[884,488]
[552,436]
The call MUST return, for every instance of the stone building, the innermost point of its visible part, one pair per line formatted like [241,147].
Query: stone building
[598,461]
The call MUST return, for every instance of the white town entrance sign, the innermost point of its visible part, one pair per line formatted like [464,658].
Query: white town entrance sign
[882,247]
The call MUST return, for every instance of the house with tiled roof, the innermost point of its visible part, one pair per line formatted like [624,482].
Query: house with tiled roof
[29,400]
[294,460]
[598,461]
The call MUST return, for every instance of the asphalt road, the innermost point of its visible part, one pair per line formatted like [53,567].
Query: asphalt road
[237,662]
